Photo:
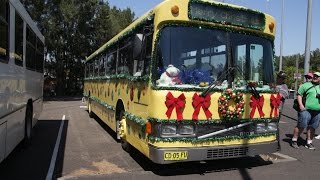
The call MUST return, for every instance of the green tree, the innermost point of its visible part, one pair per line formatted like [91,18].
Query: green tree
[74,30]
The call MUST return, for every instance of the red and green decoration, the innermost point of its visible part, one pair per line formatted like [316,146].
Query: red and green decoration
[275,102]
[201,102]
[256,103]
[224,104]
[177,103]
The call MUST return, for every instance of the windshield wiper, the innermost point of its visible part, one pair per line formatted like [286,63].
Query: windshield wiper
[253,89]
[214,84]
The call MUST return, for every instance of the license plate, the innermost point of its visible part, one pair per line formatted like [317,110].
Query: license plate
[175,156]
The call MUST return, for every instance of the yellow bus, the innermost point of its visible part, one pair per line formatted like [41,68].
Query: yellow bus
[190,80]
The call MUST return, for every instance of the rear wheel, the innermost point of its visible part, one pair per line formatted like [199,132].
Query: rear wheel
[122,132]
[28,126]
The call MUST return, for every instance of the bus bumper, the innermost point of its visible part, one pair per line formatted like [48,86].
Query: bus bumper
[157,155]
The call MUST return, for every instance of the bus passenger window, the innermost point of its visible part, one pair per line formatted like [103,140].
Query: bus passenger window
[18,54]
[31,48]
[111,64]
[4,32]
[102,71]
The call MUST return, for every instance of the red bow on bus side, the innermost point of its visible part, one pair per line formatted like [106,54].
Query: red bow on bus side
[199,102]
[178,103]
[275,103]
[256,103]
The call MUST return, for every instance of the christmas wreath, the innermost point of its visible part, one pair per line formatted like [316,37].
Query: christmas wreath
[224,105]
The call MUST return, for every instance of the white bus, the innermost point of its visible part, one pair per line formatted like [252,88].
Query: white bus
[21,75]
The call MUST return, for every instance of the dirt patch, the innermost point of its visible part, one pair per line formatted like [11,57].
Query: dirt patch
[102,167]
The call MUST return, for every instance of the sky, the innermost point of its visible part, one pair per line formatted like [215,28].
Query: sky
[294,19]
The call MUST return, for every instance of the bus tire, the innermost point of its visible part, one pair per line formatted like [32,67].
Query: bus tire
[28,126]
[91,114]
[122,132]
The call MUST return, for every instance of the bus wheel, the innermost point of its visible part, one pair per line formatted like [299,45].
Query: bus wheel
[91,115]
[28,126]
[122,133]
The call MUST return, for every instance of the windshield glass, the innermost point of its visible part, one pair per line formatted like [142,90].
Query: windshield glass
[197,57]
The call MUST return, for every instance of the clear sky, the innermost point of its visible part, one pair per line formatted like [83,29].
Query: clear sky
[295,19]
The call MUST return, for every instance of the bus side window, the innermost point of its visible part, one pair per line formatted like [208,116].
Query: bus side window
[4,32]
[31,48]
[96,67]
[18,54]
[111,63]
[102,71]
[141,65]
[125,58]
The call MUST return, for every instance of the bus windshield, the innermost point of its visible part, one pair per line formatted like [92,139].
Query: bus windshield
[206,55]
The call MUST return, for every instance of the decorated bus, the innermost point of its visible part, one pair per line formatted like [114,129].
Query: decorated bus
[190,80]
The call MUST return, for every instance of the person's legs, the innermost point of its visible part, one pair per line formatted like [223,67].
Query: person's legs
[313,124]
[303,119]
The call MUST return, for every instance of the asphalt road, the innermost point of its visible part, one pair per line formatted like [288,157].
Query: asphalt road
[67,144]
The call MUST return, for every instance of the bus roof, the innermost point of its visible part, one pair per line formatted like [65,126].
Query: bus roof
[164,8]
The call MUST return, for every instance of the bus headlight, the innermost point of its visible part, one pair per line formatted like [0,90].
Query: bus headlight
[272,127]
[186,129]
[261,128]
[167,130]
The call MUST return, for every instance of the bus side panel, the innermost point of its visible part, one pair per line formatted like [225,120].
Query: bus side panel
[15,123]
[3,129]
[106,115]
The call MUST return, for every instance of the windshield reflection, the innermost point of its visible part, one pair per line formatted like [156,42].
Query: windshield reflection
[197,57]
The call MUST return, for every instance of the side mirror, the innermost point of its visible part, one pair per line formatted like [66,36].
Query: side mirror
[137,45]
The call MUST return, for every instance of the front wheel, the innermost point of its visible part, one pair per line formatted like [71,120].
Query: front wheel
[122,132]
[91,115]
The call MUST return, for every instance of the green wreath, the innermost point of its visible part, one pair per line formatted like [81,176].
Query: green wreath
[224,106]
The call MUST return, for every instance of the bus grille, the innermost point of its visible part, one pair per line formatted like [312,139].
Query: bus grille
[227,152]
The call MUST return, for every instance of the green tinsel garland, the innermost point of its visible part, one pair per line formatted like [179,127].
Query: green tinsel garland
[120,76]
[102,103]
[213,139]
[213,121]
[138,120]
[201,89]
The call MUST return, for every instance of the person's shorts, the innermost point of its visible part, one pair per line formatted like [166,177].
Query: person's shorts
[308,118]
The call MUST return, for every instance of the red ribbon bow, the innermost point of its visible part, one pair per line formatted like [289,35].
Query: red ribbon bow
[198,102]
[256,103]
[178,103]
[275,103]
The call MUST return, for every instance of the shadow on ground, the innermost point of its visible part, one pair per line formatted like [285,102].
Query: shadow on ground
[33,161]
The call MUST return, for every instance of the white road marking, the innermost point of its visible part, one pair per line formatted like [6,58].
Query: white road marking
[83,107]
[55,151]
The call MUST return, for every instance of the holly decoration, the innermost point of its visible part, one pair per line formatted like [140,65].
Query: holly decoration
[224,106]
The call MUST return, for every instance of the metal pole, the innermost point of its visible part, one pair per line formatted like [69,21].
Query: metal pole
[308,39]
[296,82]
[281,38]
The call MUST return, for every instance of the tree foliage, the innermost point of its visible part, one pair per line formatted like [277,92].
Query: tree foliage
[74,30]
[289,66]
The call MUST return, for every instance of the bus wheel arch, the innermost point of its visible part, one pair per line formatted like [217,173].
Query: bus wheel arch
[121,125]
[28,123]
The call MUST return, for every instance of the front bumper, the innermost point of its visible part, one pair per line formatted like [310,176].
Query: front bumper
[211,153]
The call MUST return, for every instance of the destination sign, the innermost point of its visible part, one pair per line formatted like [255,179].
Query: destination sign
[225,14]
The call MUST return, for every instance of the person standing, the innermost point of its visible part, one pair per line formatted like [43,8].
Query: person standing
[309,115]
[282,88]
